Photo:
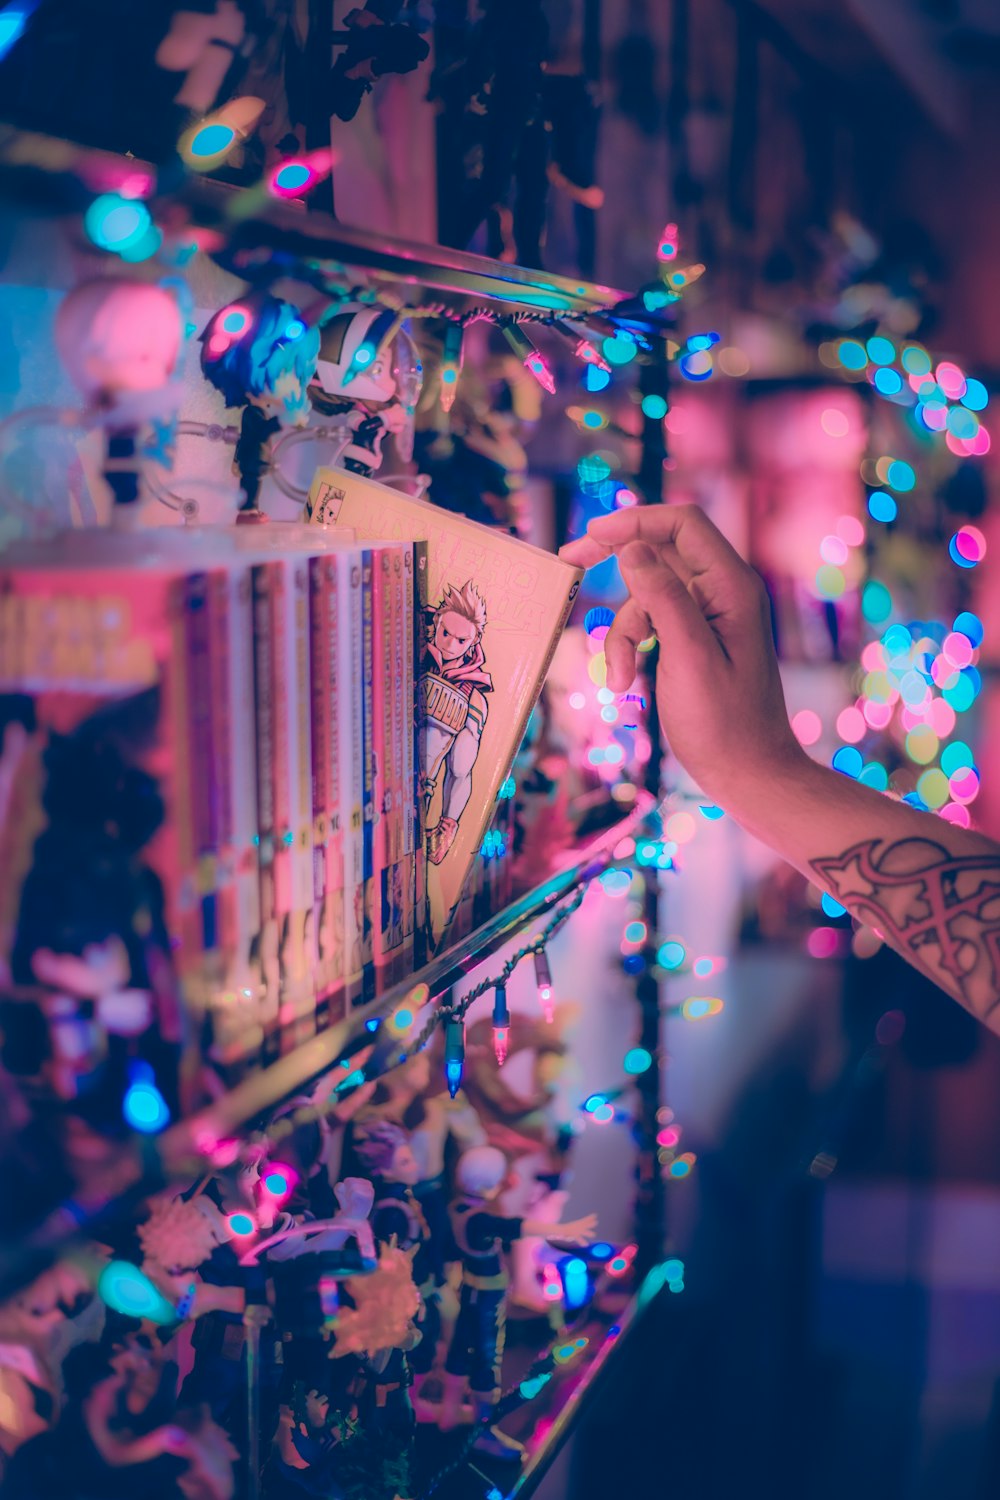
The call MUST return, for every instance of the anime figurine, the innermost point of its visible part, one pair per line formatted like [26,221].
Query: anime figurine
[119,342]
[491,90]
[431,1118]
[205,39]
[121,1433]
[89,999]
[178,1237]
[260,355]
[380,1327]
[385,1152]
[483,1236]
[453,685]
[148,68]
[369,374]
[374,44]
[39,1327]
[308,1446]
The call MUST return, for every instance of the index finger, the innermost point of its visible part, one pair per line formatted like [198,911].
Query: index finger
[699,542]
[584,552]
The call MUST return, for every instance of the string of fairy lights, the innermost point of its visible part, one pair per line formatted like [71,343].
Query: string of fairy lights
[121,223]
[915,680]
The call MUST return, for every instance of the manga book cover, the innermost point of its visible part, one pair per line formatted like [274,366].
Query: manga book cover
[493,610]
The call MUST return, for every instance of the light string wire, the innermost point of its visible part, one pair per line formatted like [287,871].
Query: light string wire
[307,1114]
[458,1009]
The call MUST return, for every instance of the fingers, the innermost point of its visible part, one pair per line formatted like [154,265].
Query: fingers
[700,543]
[661,598]
[630,626]
[585,552]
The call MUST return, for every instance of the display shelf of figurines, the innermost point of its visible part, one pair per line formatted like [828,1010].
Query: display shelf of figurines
[258,916]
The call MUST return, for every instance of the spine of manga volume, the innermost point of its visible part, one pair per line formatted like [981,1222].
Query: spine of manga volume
[327,847]
[236,758]
[332,934]
[224,1002]
[264,665]
[299,947]
[369,666]
[394,901]
[350,656]
[204,833]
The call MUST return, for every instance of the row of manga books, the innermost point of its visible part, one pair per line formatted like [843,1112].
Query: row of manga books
[269,765]
[267,701]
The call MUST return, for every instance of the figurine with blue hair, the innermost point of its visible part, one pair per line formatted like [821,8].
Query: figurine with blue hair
[260,355]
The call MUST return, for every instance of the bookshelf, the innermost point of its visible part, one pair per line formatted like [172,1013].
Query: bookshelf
[179,1151]
[42,178]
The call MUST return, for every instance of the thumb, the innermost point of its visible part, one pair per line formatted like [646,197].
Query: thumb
[657,589]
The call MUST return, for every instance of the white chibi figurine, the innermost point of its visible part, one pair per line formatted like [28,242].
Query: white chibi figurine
[453,685]
[369,375]
[120,342]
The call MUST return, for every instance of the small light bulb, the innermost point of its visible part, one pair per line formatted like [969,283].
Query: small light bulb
[543,979]
[668,246]
[451,365]
[552,1288]
[501,1025]
[538,366]
[590,355]
[530,357]
[454,1054]
[583,348]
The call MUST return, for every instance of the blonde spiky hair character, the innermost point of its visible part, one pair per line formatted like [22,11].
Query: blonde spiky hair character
[453,709]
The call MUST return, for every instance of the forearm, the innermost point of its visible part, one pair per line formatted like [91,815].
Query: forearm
[930,889]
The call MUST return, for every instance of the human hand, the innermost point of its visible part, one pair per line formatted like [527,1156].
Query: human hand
[576,1232]
[718,690]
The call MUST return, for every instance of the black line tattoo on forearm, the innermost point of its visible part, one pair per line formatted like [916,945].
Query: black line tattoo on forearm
[941,911]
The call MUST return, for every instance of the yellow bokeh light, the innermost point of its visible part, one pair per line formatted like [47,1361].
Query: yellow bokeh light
[877,687]
[733,361]
[680,827]
[922,745]
[933,787]
[597,669]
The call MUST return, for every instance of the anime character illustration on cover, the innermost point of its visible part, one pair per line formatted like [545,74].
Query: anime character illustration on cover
[453,709]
